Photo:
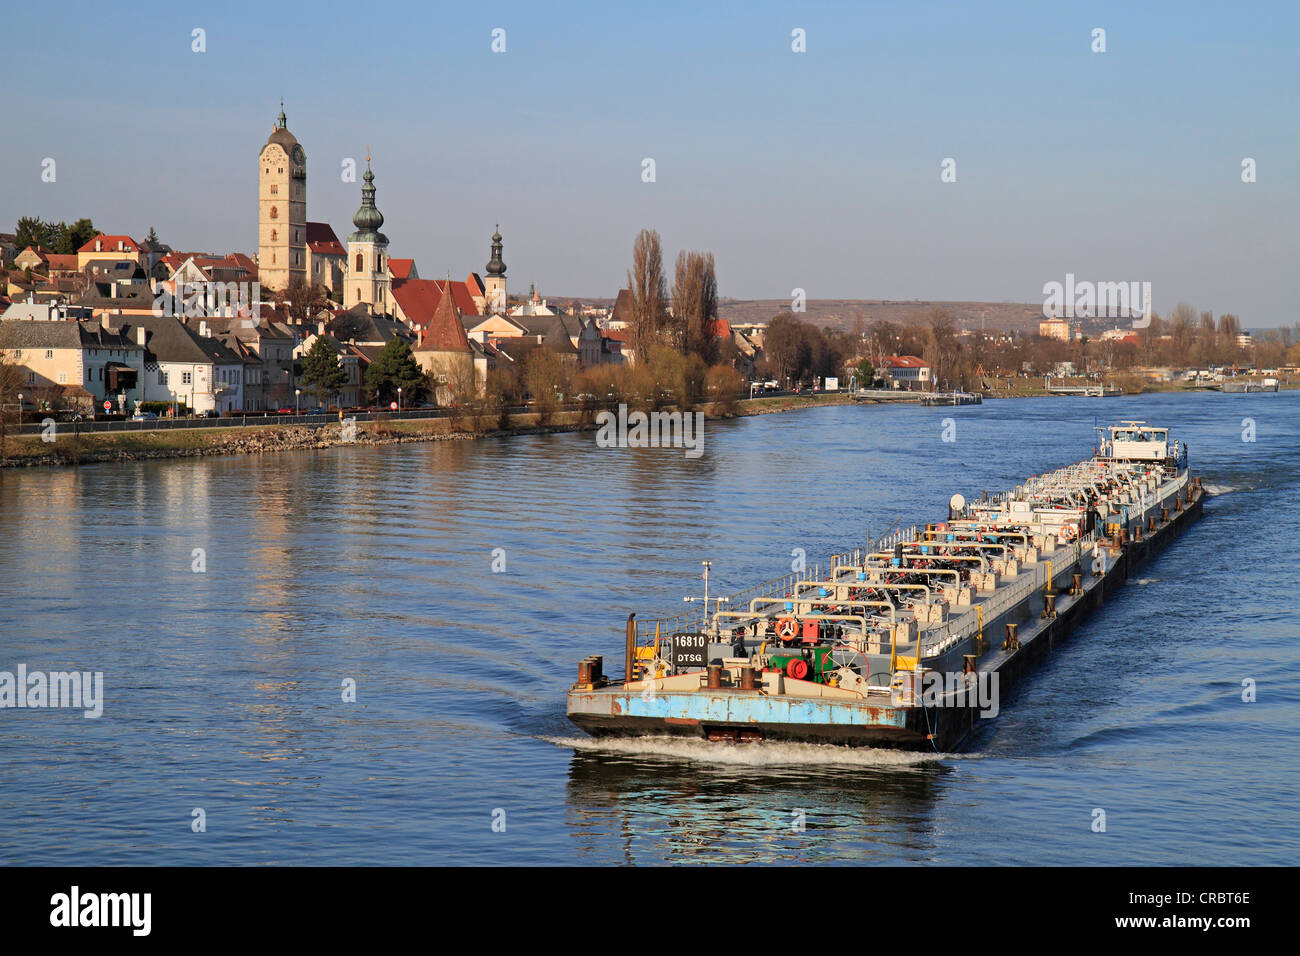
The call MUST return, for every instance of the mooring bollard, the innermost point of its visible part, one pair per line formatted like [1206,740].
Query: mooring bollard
[747,678]
[1012,641]
[1076,586]
[1049,605]
[715,677]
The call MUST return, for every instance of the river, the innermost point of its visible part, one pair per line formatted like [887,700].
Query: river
[224,687]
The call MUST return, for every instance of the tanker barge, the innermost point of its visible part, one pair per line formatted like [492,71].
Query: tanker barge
[908,642]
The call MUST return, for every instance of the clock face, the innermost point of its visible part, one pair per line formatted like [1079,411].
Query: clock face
[298,155]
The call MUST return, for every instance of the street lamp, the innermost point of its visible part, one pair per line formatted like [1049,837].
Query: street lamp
[297,394]
[20,411]
[399,399]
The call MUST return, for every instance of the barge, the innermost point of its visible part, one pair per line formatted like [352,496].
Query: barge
[908,642]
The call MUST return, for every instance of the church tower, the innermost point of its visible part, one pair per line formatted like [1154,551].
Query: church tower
[494,286]
[367,279]
[281,209]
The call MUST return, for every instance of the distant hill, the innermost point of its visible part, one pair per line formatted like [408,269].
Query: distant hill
[841,313]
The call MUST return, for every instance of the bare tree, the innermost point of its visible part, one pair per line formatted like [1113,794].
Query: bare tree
[695,305]
[649,291]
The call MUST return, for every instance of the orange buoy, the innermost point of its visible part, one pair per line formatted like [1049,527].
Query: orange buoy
[786,628]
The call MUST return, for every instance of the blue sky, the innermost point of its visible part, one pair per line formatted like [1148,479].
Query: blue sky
[817,170]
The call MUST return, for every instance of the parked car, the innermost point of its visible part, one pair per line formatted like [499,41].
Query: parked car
[144,417]
[284,411]
[210,413]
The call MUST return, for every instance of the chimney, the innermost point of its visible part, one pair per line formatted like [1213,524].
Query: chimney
[103,321]
[140,335]
[320,328]
[203,328]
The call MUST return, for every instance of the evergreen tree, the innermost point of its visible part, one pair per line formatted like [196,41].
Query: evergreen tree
[395,366]
[322,373]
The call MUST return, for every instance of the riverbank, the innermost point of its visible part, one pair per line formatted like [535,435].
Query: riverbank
[30,451]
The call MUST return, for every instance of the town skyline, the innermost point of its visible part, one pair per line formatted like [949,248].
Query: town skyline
[1077,161]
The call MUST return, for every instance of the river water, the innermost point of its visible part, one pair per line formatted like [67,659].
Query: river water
[223,687]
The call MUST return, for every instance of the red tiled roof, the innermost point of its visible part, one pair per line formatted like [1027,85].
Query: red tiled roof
[903,361]
[322,240]
[614,334]
[720,328]
[245,262]
[110,244]
[66,263]
[419,298]
[475,284]
[444,332]
[401,268]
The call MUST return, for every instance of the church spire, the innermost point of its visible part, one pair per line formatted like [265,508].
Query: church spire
[368,218]
[280,121]
[495,266]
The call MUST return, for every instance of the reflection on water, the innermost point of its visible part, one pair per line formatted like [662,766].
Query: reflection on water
[667,801]
[223,688]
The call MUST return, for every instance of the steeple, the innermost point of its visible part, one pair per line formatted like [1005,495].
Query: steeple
[280,121]
[495,266]
[368,218]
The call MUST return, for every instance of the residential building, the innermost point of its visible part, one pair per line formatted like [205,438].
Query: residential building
[189,366]
[905,371]
[75,364]
[1059,329]
[106,247]
[327,260]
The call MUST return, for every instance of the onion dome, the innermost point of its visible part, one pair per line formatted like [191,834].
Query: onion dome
[495,266]
[368,218]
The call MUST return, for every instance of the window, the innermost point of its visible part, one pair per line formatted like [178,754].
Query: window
[31,378]
[166,378]
[275,190]
[18,353]
[63,378]
[185,378]
[162,377]
[358,262]
[273,235]
[275,213]
[49,353]
[90,375]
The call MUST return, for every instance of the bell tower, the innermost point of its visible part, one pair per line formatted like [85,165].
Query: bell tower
[281,208]
[367,280]
[494,286]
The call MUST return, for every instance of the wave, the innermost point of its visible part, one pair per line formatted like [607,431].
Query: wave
[1214,489]
[765,754]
